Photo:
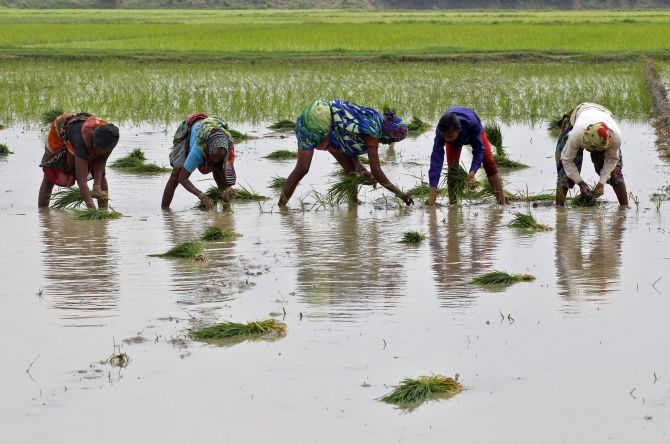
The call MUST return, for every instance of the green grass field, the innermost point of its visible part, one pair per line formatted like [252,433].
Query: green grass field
[318,33]
[266,91]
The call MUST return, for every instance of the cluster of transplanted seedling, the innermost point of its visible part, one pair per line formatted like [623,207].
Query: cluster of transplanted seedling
[193,250]
[135,162]
[4,150]
[222,198]
[412,237]
[410,393]
[72,199]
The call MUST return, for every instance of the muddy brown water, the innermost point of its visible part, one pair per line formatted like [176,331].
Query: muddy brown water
[579,355]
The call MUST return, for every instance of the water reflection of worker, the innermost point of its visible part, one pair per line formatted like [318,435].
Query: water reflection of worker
[79,264]
[461,245]
[346,130]
[588,251]
[589,127]
[77,145]
[457,127]
[204,143]
[350,266]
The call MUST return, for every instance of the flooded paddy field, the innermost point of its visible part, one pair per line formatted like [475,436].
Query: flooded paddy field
[578,355]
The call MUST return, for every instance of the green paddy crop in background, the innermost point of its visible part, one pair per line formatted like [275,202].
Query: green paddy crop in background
[280,34]
[157,92]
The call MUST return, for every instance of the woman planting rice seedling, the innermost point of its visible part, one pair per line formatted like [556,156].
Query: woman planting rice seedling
[346,131]
[589,127]
[457,127]
[78,145]
[204,143]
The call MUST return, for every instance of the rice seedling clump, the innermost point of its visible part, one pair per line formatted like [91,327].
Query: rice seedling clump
[67,199]
[505,162]
[412,392]
[417,126]
[216,233]
[277,182]
[457,178]
[221,199]
[501,278]
[186,250]
[347,187]
[134,162]
[283,125]
[48,116]
[282,155]
[423,190]
[585,200]
[96,214]
[4,150]
[239,136]
[246,194]
[228,330]
[527,221]
[413,237]
[494,134]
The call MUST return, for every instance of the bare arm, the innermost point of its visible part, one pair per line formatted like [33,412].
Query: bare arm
[372,146]
[220,178]
[184,180]
[81,173]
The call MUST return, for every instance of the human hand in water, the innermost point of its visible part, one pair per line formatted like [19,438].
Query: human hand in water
[407,199]
[208,202]
[584,189]
[599,190]
[472,180]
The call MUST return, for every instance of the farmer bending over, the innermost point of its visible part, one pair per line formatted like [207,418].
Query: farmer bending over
[346,131]
[204,143]
[589,127]
[457,127]
[78,145]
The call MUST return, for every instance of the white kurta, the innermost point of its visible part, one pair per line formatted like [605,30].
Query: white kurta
[584,115]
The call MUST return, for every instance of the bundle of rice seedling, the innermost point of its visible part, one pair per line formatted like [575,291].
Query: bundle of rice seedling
[283,125]
[555,124]
[47,117]
[239,136]
[501,278]
[417,126]
[128,161]
[494,134]
[67,199]
[412,392]
[412,237]
[219,197]
[277,182]
[147,168]
[346,187]
[134,162]
[187,250]
[457,178]
[216,233]
[228,330]
[4,150]
[528,222]
[96,214]
[505,162]
[585,200]
[423,190]
[521,197]
[243,193]
[282,155]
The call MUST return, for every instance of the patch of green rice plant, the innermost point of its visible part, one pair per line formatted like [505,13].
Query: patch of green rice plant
[283,125]
[412,392]
[239,136]
[423,190]
[347,187]
[501,278]
[96,214]
[494,134]
[282,155]
[243,193]
[48,116]
[128,161]
[417,126]
[67,199]
[147,168]
[555,124]
[135,163]
[585,200]
[413,237]
[457,178]
[230,330]
[277,182]
[219,197]
[215,233]
[503,161]
[4,150]
[528,222]
[186,250]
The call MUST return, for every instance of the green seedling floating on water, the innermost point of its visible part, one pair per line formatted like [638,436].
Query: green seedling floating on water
[501,278]
[413,237]
[528,222]
[216,234]
[282,155]
[188,250]
[410,393]
[230,330]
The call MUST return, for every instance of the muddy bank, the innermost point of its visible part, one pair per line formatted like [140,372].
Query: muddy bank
[661,119]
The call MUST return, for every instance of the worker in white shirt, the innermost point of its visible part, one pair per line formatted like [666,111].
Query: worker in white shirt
[589,127]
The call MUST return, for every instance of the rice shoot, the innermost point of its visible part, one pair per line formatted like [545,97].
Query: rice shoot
[528,222]
[283,125]
[187,250]
[134,162]
[4,150]
[96,214]
[412,392]
[503,161]
[277,182]
[423,190]
[67,199]
[501,278]
[228,330]
[239,136]
[417,126]
[555,124]
[413,237]
[457,178]
[494,134]
[585,200]
[219,197]
[215,234]
[347,187]
[47,117]
[282,155]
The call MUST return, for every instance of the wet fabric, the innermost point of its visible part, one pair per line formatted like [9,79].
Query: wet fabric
[470,134]
[597,157]
[313,124]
